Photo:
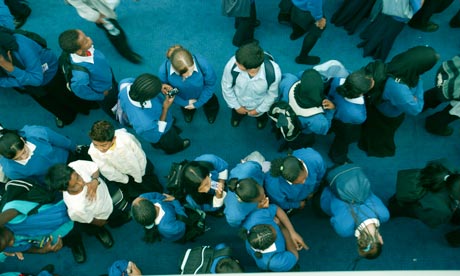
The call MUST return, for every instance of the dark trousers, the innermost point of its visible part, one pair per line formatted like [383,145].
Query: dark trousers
[120,41]
[429,7]
[285,6]
[210,108]
[439,121]
[238,117]
[303,22]
[57,99]
[110,100]
[245,27]
[149,183]
[18,9]
[345,134]
[170,141]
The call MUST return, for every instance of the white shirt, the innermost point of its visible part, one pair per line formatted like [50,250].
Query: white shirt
[124,158]
[79,207]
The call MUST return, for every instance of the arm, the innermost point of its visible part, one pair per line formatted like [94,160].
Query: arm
[409,101]
[7,215]
[228,92]
[273,91]
[80,85]
[286,222]
[29,55]
[47,248]
[60,140]
[6,19]
[209,81]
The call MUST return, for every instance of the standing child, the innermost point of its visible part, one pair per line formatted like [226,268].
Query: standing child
[120,158]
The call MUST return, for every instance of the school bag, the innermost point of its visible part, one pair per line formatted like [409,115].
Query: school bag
[269,70]
[31,35]
[174,183]
[448,78]
[27,190]
[198,260]
[349,183]
[285,120]
[67,67]
[408,187]
[195,225]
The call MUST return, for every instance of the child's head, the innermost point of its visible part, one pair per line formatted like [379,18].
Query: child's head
[196,176]
[250,56]
[102,135]
[356,84]
[433,176]
[182,61]
[290,168]
[61,177]
[248,190]
[12,146]
[370,245]
[143,212]
[144,88]
[229,265]
[261,237]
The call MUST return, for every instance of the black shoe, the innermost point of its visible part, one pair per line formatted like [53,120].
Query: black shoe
[49,268]
[455,22]
[447,131]
[261,124]
[235,122]
[296,35]
[309,60]
[79,253]
[104,236]
[133,57]
[256,23]
[59,123]
[429,27]
[284,18]
[185,144]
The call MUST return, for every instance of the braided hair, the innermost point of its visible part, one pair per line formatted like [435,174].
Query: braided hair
[145,87]
[261,237]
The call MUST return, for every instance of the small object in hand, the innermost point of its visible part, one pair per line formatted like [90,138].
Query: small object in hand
[173,92]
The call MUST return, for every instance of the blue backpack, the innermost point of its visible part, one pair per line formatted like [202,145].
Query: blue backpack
[349,183]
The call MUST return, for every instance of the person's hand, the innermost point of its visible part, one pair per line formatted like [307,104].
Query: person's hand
[165,88]
[253,113]
[191,104]
[91,189]
[19,255]
[168,102]
[242,110]
[327,104]
[321,23]
[168,197]
[298,241]
[264,203]
[220,190]
[106,92]
[302,204]
[53,248]
[7,64]
[133,270]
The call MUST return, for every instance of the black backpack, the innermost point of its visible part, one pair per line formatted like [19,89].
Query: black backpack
[199,260]
[195,225]
[349,183]
[26,190]
[286,120]
[31,35]
[67,67]
[269,71]
[174,183]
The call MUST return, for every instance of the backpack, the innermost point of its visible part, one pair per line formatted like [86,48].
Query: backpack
[269,71]
[349,183]
[195,225]
[408,188]
[174,183]
[198,260]
[67,67]
[286,120]
[26,190]
[448,78]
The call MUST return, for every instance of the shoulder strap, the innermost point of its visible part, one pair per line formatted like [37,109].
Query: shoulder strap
[269,71]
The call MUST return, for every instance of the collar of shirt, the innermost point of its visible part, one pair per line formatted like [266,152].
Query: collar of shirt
[160,214]
[90,58]
[32,148]
[173,71]
[271,248]
[364,224]
[147,104]
[358,100]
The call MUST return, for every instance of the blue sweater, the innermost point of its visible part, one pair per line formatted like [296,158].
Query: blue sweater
[289,196]
[170,228]
[315,7]
[318,123]
[236,211]
[346,111]
[219,165]
[40,65]
[91,86]
[343,220]
[144,120]
[398,98]
[200,85]
[279,260]
[6,19]
[51,148]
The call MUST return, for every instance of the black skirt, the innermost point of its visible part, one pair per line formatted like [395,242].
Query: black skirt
[351,13]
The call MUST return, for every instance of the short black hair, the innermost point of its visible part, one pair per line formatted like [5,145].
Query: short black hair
[58,176]
[68,41]
[250,55]
[144,212]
